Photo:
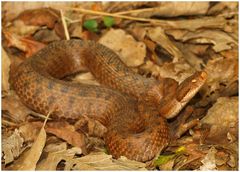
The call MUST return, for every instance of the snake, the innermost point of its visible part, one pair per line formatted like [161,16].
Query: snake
[132,107]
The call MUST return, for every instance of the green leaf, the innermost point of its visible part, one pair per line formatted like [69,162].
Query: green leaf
[91,25]
[162,159]
[108,21]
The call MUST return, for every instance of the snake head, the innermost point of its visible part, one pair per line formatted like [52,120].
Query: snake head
[171,104]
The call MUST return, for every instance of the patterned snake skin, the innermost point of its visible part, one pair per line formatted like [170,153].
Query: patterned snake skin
[133,108]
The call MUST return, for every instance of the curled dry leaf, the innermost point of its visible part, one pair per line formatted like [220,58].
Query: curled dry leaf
[28,46]
[194,24]
[178,71]
[5,71]
[158,35]
[220,39]
[17,111]
[222,78]
[102,161]
[67,132]
[20,7]
[85,78]
[40,17]
[53,158]
[18,27]
[209,161]
[12,147]
[131,52]
[222,118]
[174,9]
[31,157]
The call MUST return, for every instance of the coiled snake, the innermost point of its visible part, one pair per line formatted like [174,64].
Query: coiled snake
[132,107]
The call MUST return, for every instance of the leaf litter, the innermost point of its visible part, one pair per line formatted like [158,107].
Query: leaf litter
[155,39]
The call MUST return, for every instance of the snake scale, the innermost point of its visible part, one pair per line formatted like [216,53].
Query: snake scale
[133,108]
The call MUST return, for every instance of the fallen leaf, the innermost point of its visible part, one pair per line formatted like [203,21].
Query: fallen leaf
[40,17]
[46,36]
[85,78]
[222,78]
[218,22]
[158,35]
[174,9]
[178,71]
[18,112]
[33,154]
[209,161]
[131,52]
[18,27]
[68,133]
[102,161]
[220,39]
[222,117]
[5,71]
[26,45]
[12,147]
[53,158]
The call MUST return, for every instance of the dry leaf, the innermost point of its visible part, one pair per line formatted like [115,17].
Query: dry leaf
[20,7]
[17,111]
[29,131]
[5,71]
[222,78]
[209,161]
[174,9]
[194,24]
[221,40]
[28,46]
[22,29]
[178,71]
[32,156]
[40,17]
[67,132]
[102,161]
[85,78]
[222,118]
[131,52]
[12,147]
[53,158]
[158,35]
[46,36]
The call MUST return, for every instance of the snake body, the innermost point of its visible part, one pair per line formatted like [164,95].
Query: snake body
[132,107]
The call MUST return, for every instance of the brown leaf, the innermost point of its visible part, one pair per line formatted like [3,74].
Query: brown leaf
[158,35]
[220,40]
[102,161]
[131,52]
[222,118]
[22,29]
[17,111]
[209,161]
[12,147]
[67,132]
[32,156]
[40,17]
[222,78]
[52,160]
[5,71]
[26,45]
[174,9]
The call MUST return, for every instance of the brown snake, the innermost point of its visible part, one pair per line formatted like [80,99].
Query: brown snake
[132,107]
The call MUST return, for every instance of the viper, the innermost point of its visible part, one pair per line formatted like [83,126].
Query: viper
[132,107]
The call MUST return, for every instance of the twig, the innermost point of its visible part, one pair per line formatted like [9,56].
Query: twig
[114,15]
[135,11]
[64,25]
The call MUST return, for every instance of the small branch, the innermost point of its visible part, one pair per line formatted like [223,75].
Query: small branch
[135,11]
[113,15]
[64,25]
